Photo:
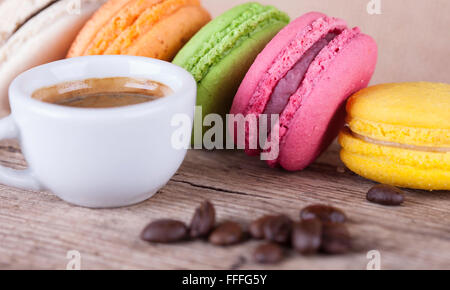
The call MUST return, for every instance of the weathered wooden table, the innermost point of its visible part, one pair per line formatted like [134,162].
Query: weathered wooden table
[37,229]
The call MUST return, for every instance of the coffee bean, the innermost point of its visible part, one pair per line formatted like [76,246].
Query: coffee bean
[335,239]
[278,229]
[268,254]
[227,234]
[256,228]
[307,236]
[203,221]
[386,195]
[165,231]
[326,214]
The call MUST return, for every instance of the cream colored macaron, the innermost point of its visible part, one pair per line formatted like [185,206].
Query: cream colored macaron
[43,38]
[15,13]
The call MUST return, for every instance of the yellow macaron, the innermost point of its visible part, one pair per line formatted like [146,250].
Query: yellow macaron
[399,134]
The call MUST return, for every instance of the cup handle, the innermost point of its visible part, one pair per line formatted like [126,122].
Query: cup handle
[23,179]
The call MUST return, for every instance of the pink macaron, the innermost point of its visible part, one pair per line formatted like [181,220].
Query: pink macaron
[305,75]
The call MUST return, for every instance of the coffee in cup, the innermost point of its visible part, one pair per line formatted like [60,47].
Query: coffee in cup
[99,158]
[103,92]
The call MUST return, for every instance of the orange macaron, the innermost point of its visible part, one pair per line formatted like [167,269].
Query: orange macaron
[151,28]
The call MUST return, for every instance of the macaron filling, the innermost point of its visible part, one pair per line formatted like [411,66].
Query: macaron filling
[290,77]
[290,83]
[398,145]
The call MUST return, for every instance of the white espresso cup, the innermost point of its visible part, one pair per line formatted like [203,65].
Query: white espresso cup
[99,158]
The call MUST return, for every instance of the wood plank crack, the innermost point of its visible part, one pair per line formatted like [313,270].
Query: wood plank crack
[218,189]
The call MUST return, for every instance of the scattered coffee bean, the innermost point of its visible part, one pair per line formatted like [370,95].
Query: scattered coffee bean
[335,239]
[256,228]
[227,234]
[325,213]
[203,221]
[307,236]
[165,231]
[278,229]
[386,195]
[268,254]
[321,228]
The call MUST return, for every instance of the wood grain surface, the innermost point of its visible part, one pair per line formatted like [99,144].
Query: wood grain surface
[37,229]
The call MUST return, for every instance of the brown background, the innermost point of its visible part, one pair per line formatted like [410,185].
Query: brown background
[413,35]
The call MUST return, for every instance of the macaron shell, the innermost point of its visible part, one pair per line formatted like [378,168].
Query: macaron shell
[237,31]
[265,60]
[217,88]
[396,166]
[44,38]
[313,117]
[99,20]
[401,133]
[207,32]
[420,104]
[151,28]
[169,35]
[118,24]
[396,154]
[280,55]
[406,113]
[15,13]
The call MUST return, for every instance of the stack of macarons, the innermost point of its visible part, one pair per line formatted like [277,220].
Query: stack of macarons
[303,71]
[34,32]
[251,61]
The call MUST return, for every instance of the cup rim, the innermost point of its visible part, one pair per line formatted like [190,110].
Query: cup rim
[185,79]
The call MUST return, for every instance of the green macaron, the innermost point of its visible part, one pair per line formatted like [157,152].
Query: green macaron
[221,53]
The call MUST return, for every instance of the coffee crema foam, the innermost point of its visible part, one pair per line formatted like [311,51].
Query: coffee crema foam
[103,92]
